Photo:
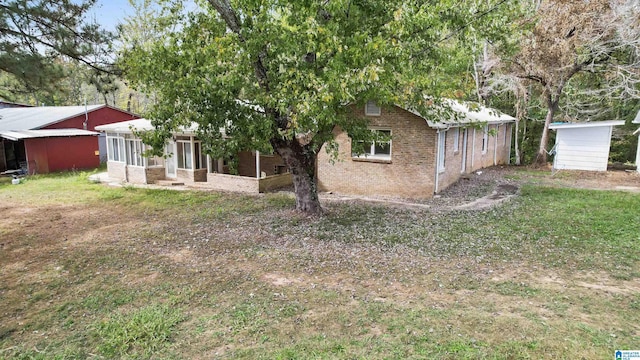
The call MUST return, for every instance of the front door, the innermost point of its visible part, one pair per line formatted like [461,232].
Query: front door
[170,161]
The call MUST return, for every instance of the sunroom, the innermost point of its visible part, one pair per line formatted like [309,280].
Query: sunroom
[185,162]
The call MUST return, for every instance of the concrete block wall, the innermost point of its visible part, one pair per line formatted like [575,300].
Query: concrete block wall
[116,170]
[409,173]
[136,175]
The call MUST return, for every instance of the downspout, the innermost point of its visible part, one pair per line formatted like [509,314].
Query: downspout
[438,155]
[257,164]
[465,136]
[435,190]
[510,137]
[473,149]
[86,115]
[126,166]
[495,145]
[145,165]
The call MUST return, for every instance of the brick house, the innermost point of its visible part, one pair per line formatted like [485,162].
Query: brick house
[422,158]
[185,162]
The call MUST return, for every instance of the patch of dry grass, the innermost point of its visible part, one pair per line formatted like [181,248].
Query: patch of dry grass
[551,274]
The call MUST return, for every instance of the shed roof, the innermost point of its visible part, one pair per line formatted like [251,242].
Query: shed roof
[637,119]
[15,135]
[555,126]
[31,118]
[139,125]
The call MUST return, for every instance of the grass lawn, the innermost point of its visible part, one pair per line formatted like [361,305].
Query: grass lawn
[90,271]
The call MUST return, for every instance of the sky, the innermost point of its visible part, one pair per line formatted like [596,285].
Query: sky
[109,13]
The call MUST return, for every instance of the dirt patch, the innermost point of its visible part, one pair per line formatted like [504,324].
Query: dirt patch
[279,280]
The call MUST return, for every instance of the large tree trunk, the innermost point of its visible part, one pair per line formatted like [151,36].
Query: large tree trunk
[541,157]
[301,162]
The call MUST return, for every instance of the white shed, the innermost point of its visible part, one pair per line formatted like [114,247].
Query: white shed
[583,146]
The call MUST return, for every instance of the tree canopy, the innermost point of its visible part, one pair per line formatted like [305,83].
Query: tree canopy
[281,75]
[35,34]
[589,50]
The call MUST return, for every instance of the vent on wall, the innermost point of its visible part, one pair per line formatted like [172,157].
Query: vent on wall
[371,109]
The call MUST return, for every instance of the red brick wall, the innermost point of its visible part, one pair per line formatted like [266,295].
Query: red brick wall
[410,173]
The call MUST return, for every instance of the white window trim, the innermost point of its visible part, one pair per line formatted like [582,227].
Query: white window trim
[134,158]
[182,153]
[372,155]
[485,139]
[442,150]
[122,158]
[377,111]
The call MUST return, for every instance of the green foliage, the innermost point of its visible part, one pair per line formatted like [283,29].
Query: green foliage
[283,74]
[36,35]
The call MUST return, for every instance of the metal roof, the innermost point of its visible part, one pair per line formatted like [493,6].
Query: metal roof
[32,118]
[637,119]
[128,127]
[555,126]
[469,114]
[15,135]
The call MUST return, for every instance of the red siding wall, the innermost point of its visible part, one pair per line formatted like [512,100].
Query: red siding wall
[62,153]
[97,117]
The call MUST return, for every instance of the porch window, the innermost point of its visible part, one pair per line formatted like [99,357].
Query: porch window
[377,150]
[184,155]
[442,149]
[154,161]
[485,139]
[201,158]
[115,148]
[134,152]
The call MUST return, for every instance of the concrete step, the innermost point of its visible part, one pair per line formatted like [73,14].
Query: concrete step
[169,182]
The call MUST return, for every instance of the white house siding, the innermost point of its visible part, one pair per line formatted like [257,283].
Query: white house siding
[638,153]
[583,148]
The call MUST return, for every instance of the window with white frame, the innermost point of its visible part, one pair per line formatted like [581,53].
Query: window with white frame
[200,157]
[115,148]
[135,149]
[183,154]
[485,139]
[154,161]
[442,149]
[372,109]
[456,139]
[377,150]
